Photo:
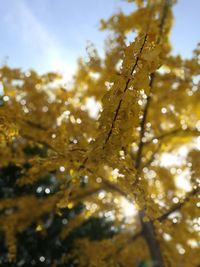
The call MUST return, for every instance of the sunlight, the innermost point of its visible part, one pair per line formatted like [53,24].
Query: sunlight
[183,182]
[1,89]
[65,70]
[174,159]
[93,107]
[168,159]
[177,159]
[128,208]
[198,143]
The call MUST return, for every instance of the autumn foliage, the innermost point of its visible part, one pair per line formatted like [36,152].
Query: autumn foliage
[62,165]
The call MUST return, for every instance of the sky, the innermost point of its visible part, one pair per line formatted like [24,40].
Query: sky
[49,35]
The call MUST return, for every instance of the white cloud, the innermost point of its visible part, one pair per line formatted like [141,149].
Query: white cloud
[43,45]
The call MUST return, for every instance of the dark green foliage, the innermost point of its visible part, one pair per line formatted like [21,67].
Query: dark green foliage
[33,245]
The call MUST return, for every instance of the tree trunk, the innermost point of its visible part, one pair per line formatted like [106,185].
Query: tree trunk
[150,237]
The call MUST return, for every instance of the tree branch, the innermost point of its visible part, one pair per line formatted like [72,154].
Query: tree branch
[148,227]
[193,132]
[125,89]
[179,205]
[123,246]
[148,163]
[105,185]
[153,244]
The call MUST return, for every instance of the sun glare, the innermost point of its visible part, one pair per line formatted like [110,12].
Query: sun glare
[128,208]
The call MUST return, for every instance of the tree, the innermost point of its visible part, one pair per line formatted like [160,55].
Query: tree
[64,172]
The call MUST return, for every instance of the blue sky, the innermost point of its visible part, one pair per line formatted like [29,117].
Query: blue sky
[49,35]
